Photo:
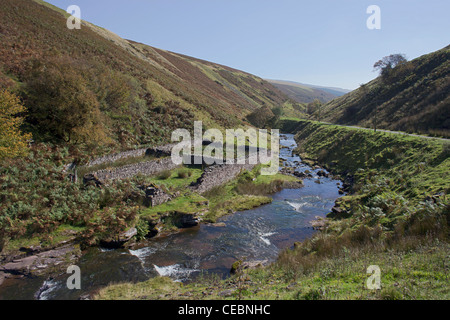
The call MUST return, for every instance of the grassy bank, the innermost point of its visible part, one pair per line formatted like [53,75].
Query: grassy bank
[418,274]
[395,216]
[393,176]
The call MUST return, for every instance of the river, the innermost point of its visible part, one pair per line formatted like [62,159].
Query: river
[257,234]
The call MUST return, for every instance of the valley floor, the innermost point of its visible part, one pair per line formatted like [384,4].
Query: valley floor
[396,218]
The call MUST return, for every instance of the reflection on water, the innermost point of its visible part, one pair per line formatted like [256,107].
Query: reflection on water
[256,234]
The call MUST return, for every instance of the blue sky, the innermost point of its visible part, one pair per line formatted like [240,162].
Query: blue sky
[318,42]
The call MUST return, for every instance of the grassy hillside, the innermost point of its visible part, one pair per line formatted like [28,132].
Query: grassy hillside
[414,167]
[302,93]
[89,92]
[94,88]
[412,97]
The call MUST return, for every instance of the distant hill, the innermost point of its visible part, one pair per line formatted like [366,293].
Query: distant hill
[333,90]
[91,85]
[412,97]
[306,93]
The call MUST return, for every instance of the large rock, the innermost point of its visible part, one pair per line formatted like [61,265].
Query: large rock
[182,220]
[38,263]
[338,212]
[19,266]
[120,240]
[127,235]
[240,265]
[3,276]
[322,173]
[187,220]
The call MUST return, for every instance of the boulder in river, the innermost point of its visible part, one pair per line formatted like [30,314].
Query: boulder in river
[219,224]
[322,173]
[187,220]
[302,175]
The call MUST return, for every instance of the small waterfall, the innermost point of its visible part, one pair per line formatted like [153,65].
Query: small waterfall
[175,271]
[264,236]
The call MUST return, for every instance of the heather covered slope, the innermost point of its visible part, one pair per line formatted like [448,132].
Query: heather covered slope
[413,97]
[90,85]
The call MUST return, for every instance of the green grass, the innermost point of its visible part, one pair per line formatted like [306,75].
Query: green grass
[266,179]
[187,203]
[173,181]
[61,234]
[416,165]
[290,118]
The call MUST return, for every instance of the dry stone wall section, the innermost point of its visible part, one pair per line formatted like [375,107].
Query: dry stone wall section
[147,168]
[217,175]
[117,156]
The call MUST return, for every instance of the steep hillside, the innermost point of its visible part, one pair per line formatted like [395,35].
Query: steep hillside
[90,85]
[304,93]
[412,97]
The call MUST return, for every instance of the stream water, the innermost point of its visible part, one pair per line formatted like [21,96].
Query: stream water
[257,234]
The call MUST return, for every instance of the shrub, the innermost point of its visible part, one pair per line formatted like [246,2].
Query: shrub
[183,173]
[13,142]
[164,175]
[142,228]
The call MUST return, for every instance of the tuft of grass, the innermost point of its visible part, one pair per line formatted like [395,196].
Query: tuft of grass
[183,173]
[164,175]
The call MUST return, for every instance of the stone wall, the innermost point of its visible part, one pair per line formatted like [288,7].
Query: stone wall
[147,168]
[154,196]
[117,156]
[217,175]
[159,151]
[214,175]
